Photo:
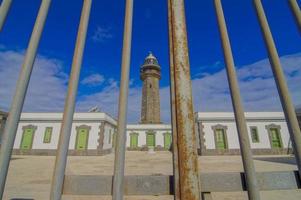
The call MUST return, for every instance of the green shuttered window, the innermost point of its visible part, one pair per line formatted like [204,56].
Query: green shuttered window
[276,138]
[150,139]
[220,139]
[167,140]
[134,140]
[47,135]
[254,135]
[27,138]
[82,139]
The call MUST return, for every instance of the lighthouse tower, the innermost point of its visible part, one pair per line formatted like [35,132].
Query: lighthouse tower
[150,74]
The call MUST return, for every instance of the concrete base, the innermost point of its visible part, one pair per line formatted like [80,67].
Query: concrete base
[162,185]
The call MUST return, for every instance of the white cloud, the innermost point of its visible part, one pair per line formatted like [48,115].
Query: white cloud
[257,87]
[93,80]
[107,101]
[210,92]
[47,87]
[102,34]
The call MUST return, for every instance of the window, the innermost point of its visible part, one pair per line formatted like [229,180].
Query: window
[134,140]
[82,137]
[220,139]
[167,140]
[150,139]
[254,135]
[276,139]
[275,136]
[27,137]
[220,136]
[47,135]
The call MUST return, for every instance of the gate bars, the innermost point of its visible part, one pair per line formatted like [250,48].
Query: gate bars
[11,125]
[282,87]
[5,5]
[118,179]
[65,132]
[245,147]
[186,137]
[186,180]
[175,157]
[296,11]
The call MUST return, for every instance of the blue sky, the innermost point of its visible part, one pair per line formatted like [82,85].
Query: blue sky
[101,66]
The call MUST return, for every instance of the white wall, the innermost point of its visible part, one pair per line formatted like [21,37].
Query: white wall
[109,130]
[142,129]
[258,119]
[94,120]
[43,120]
[41,127]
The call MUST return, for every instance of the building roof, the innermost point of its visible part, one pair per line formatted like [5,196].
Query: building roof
[78,116]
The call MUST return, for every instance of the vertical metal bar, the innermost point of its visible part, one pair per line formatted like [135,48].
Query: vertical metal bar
[245,147]
[65,132]
[21,89]
[296,11]
[118,180]
[173,109]
[282,87]
[4,8]
[187,150]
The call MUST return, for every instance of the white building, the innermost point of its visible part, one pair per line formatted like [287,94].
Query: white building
[268,133]
[91,134]
[94,133]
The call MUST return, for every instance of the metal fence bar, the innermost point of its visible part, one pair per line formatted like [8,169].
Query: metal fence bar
[296,11]
[282,87]
[186,138]
[245,147]
[4,8]
[118,180]
[21,89]
[176,182]
[65,132]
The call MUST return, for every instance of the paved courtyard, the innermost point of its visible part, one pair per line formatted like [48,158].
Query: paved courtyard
[30,176]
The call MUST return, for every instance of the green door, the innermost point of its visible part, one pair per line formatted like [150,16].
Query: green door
[27,137]
[220,139]
[82,139]
[276,139]
[150,140]
[134,141]
[167,140]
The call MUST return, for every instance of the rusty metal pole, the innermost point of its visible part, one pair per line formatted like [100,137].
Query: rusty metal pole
[176,183]
[65,132]
[4,8]
[186,137]
[118,180]
[296,11]
[245,147]
[282,87]
[21,89]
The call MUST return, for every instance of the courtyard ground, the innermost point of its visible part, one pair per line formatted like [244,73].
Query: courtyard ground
[30,176]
